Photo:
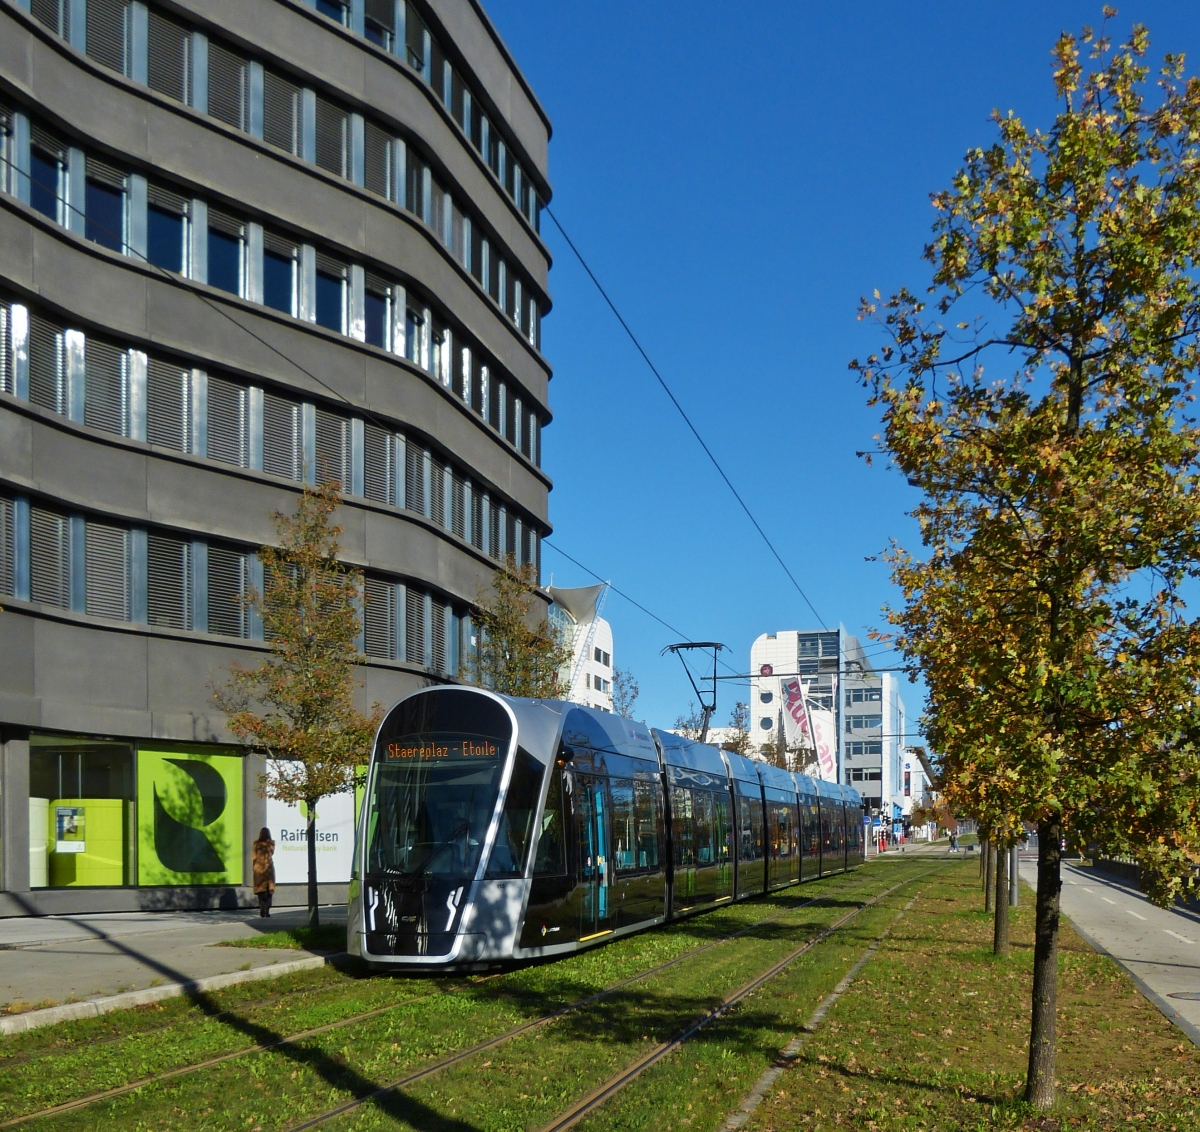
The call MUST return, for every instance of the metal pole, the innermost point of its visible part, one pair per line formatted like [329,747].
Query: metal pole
[1014,879]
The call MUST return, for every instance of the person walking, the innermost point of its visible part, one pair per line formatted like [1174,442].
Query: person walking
[264,870]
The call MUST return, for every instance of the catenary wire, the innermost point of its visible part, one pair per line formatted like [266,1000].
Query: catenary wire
[686,419]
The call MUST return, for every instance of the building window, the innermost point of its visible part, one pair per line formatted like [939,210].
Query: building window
[228,81]
[107,32]
[377,161]
[282,446]
[106,387]
[379,23]
[168,582]
[378,464]
[281,112]
[863,722]
[169,57]
[47,364]
[54,14]
[335,9]
[49,558]
[47,175]
[864,696]
[228,431]
[227,578]
[280,257]
[226,252]
[107,571]
[377,312]
[104,206]
[333,450]
[379,619]
[766,697]
[331,293]
[766,723]
[166,228]
[333,136]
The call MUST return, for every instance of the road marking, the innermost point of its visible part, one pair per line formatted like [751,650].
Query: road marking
[1107,901]
[1181,938]
[1129,913]
[1085,888]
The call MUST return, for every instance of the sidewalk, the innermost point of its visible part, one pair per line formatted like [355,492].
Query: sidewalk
[48,960]
[1159,947]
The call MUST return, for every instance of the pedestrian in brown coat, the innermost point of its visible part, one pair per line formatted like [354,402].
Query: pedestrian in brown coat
[264,870]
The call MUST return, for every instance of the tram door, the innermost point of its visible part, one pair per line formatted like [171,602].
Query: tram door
[595,865]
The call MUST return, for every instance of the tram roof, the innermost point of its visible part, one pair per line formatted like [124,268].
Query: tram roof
[679,751]
[742,768]
[603,731]
[776,778]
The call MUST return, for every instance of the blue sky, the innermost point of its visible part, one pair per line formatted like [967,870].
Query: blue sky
[737,176]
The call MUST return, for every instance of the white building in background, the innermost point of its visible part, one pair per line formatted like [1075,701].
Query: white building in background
[575,613]
[837,677]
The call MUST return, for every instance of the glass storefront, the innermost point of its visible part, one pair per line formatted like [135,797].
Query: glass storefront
[80,812]
[104,813]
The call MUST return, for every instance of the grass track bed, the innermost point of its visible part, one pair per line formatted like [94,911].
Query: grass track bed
[274,1089]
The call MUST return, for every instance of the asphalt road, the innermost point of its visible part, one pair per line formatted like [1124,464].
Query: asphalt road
[1159,947]
[47,960]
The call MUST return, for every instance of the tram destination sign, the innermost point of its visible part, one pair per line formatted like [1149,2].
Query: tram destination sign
[434,748]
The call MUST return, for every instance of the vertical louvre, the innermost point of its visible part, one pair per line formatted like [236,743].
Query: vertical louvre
[456,504]
[106,32]
[331,136]
[379,619]
[168,405]
[168,574]
[227,432]
[226,586]
[477,520]
[47,366]
[414,627]
[105,387]
[7,536]
[439,612]
[227,85]
[168,66]
[7,377]
[49,566]
[437,496]
[107,571]
[510,535]
[377,464]
[333,449]
[377,164]
[281,437]
[414,479]
[493,548]
[281,112]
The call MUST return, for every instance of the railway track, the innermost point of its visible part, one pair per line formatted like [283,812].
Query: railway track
[291,1040]
[614,1085]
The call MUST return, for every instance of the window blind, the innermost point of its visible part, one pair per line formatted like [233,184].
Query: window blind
[332,136]
[414,479]
[493,547]
[378,476]
[281,437]
[7,377]
[281,112]
[227,82]
[440,613]
[107,571]
[226,588]
[54,14]
[414,626]
[107,28]
[377,160]
[49,558]
[168,65]
[477,520]
[437,493]
[105,403]
[379,619]
[333,449]
[456,503]
[168,582]
[168,405]
[7,548]
[227,432]
[47,365]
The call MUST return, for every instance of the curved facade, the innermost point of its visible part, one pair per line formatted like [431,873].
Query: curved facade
[243,247]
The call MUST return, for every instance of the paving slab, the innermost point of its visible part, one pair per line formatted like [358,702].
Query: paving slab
[53,959]
[1159,947]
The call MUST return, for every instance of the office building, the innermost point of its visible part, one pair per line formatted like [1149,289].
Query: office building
[575,613]
[245,247]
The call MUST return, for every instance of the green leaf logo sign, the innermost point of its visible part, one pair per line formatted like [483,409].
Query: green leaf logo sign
[189,818]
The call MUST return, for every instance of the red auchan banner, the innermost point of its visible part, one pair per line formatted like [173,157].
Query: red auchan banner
[806,727]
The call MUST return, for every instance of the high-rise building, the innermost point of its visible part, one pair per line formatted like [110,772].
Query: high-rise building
[246,247]
[837,676]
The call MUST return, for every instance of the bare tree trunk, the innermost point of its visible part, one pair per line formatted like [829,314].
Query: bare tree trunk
[982,858]
[314,916]
[1039,1083]
[1000,932]
[989,877]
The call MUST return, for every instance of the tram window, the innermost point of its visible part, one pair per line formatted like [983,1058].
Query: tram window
[751,826]
[516,822]
[704,834]
[624,827]
[646,803]
[681,809]
[723,827]
[550,859]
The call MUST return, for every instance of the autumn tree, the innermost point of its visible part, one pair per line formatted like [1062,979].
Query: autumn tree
[518,652]
[690,726]
[739,723]
[1059,510]
[297,707]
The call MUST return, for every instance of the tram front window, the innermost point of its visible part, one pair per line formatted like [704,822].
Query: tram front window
[430,818]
